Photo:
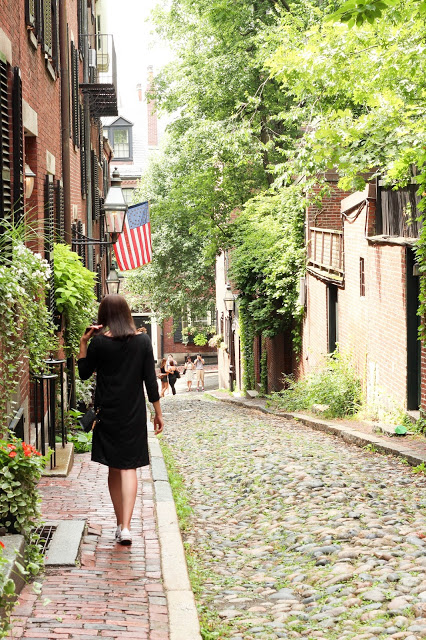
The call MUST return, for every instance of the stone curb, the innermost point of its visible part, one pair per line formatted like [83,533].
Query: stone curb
[183,617]
[348,434]
[13,552]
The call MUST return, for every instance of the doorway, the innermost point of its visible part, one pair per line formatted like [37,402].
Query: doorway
[332,317]
[413,343]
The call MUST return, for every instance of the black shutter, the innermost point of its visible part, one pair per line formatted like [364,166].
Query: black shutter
[96,207]
[98,283]
[83,164]
[177,336]
[80,23]
[18,147]
[5,183]
[49,238]
[60,212]
[38,7]
[101,141]
[55,35]
[102,234]
[81,249]
[74,95]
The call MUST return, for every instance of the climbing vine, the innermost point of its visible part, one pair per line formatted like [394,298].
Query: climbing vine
[26,327]
[247,336]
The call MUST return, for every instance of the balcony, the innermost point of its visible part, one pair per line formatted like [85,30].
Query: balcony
[325,254]
[100,80]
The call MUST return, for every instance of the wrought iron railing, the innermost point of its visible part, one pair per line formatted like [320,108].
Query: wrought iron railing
[100,74]
[325,252]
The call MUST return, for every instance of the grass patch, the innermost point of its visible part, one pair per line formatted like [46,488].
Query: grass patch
[335,385]
[180,496]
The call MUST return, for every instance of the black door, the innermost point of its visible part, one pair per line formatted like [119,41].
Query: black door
[413,343]
[333,326]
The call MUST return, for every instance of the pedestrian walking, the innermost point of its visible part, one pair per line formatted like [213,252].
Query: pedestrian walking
[164,377]
[189,370]
[123,361]
[173,376]
[199,370]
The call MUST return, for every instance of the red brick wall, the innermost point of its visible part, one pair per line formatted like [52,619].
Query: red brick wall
[178,348]
[372,328]
[328,216]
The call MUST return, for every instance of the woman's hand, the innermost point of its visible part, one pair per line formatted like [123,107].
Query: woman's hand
[158,424]
[90,331]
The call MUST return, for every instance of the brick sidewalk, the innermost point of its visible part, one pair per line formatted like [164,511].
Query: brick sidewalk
[117,591]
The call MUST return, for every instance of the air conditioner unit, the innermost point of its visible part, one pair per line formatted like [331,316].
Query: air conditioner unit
[92,58]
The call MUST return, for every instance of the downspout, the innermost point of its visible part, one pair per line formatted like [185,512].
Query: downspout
[87,136]
[65,118]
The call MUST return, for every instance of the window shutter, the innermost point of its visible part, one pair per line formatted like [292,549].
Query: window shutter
[81,249]
[80,24]
[177,336]
[98,283]
[55,35]
[74,95]
[83,165]
[96,208]
[60,212]
[49,238]
[18,146]
[47,27]
[38,13]
[102,234]
[30,13]
[101,143]
[5,183]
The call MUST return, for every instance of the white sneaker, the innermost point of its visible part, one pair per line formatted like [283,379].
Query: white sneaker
[118,533]
[125,537]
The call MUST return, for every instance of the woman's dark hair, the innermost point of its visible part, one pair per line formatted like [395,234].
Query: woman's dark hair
[114,313]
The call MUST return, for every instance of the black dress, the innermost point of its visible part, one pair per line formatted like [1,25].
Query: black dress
[122,366]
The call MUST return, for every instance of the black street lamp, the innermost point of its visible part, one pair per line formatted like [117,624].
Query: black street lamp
[115,209]
[229,302]
[114,280]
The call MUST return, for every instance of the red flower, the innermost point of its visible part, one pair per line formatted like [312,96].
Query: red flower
[11,446]
[1,544]
[12,454]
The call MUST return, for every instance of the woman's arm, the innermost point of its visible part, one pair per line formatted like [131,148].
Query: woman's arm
[86,357]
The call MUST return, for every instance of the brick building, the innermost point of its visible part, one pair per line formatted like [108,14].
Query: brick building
[362,292]
[56,81]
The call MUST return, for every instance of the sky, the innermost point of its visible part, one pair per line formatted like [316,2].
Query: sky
[136,45]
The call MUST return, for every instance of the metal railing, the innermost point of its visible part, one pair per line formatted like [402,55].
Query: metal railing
[100,73]
[325,252]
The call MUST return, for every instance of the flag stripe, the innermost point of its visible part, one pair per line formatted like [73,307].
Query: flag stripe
[134,247]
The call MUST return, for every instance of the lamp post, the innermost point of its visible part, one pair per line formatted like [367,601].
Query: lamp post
[115,207]
[114,280]
[29,181]
[229,302]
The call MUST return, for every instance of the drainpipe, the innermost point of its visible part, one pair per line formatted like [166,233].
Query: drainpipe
[65,118]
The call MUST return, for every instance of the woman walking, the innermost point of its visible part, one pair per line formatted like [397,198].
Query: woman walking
[173,376]
[163,377]
[123,361]
[189,369]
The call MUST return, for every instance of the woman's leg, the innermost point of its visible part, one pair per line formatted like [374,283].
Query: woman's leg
[129,489]
[114,486]
[172,383]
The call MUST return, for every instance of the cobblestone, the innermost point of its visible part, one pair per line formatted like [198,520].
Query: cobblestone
[296,533]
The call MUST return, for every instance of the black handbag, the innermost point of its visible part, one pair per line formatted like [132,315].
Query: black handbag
[177,373]
[90,419]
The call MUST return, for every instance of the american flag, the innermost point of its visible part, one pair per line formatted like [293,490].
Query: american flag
[133,247]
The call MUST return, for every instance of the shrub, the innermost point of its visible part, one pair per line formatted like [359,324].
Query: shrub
[21,466]
[335,384]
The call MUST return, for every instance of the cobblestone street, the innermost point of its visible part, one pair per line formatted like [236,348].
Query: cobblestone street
[295,533]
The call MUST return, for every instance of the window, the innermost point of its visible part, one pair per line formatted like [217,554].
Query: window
[120,137]
[361,277]
[128,195]
[121,143]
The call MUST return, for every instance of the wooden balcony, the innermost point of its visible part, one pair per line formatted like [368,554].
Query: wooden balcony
[325,254]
